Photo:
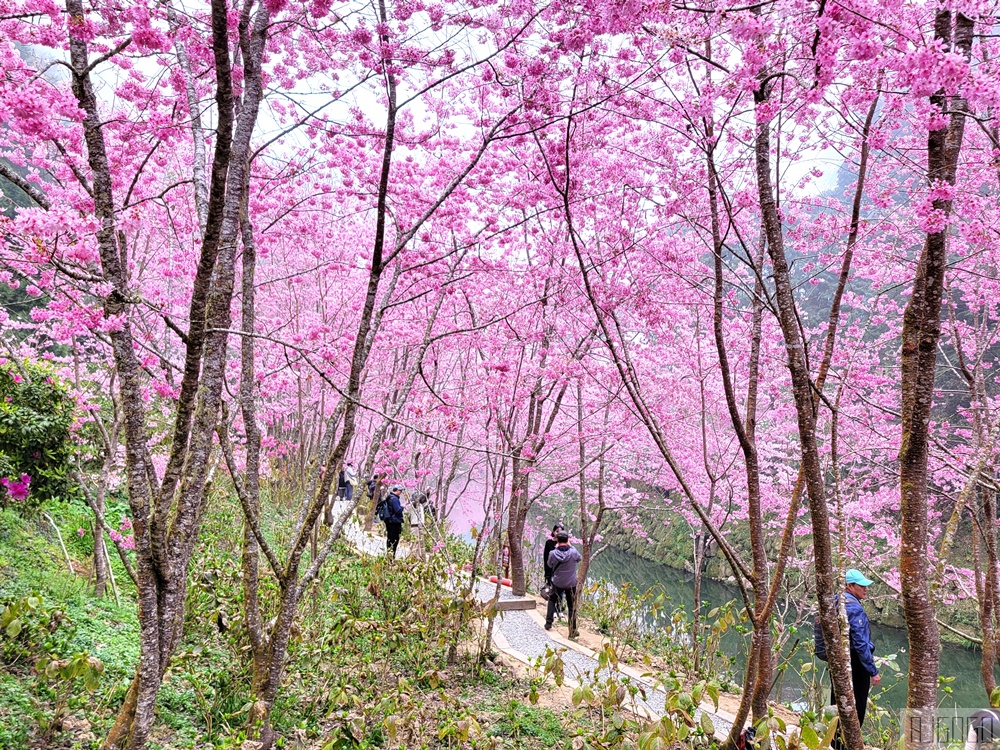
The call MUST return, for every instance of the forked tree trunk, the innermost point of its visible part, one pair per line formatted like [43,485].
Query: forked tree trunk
[166,535]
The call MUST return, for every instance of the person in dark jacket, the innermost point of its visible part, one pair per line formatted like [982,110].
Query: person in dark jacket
[346,479]
[550,544]
[864,673]
[563,561]
[394,524]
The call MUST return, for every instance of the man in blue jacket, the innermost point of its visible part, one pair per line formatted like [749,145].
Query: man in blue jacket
[563,561]
[864,673]
[394,521]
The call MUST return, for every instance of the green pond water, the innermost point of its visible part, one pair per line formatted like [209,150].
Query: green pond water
[618,567]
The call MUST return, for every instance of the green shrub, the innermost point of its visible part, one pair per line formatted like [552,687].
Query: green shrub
[36,414]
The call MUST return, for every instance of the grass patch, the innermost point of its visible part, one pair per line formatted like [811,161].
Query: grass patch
[517,720]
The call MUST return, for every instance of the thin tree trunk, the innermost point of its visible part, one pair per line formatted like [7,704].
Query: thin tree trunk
[100,553]
[987,604]
[757,689]
[826,585]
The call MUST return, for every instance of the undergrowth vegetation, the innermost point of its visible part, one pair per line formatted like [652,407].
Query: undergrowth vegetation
[368,662]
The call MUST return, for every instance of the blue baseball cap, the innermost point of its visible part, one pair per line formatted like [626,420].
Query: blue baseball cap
[855,576]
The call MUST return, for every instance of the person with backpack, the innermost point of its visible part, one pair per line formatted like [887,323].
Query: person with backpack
[550,544]
[390,512]
[563,561]
[864,673]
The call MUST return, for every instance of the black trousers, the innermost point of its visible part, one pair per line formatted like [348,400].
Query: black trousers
[392,532]
[862,682]
[550,612]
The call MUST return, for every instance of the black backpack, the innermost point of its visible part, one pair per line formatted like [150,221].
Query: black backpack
[819,645]
[383,511]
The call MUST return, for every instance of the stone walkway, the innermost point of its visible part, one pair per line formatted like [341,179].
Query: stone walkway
[371,544]
[521,635]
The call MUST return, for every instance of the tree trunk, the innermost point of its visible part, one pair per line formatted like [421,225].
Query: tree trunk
[517,514]
[918,362]
[163,550]
[699,564]
[826,585]
[100,556]
[757,687]
[987,604]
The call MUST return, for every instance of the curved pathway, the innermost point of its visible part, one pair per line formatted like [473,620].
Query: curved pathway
[521,635]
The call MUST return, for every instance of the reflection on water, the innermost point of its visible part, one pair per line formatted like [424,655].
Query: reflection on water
[617,567]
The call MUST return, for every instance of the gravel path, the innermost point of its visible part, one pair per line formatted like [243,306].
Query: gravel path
[529,638]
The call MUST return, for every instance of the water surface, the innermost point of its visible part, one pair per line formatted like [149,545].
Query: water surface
[618,567]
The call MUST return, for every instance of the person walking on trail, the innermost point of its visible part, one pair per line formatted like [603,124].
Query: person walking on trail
[550,544]
[415,510]
[864,673]
[563,561]
[346,480]
[393,518]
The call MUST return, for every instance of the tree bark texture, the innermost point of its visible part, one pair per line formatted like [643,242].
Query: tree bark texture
[918,362]
[826,584]
[166,526]
[758,685]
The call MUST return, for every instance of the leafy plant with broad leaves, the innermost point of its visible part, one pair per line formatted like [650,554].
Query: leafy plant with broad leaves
[34,640]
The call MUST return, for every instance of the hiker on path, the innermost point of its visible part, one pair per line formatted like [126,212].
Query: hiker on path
[346,480]
[563,561]
[393,518]
[550,544]
[416,510]
[864,673]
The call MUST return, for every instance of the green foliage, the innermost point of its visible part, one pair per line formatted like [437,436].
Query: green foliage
[881,728]
[521,720]
[32,639]
[29,631]
[367,664]
[610,706]
[639,623]
[36,414]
